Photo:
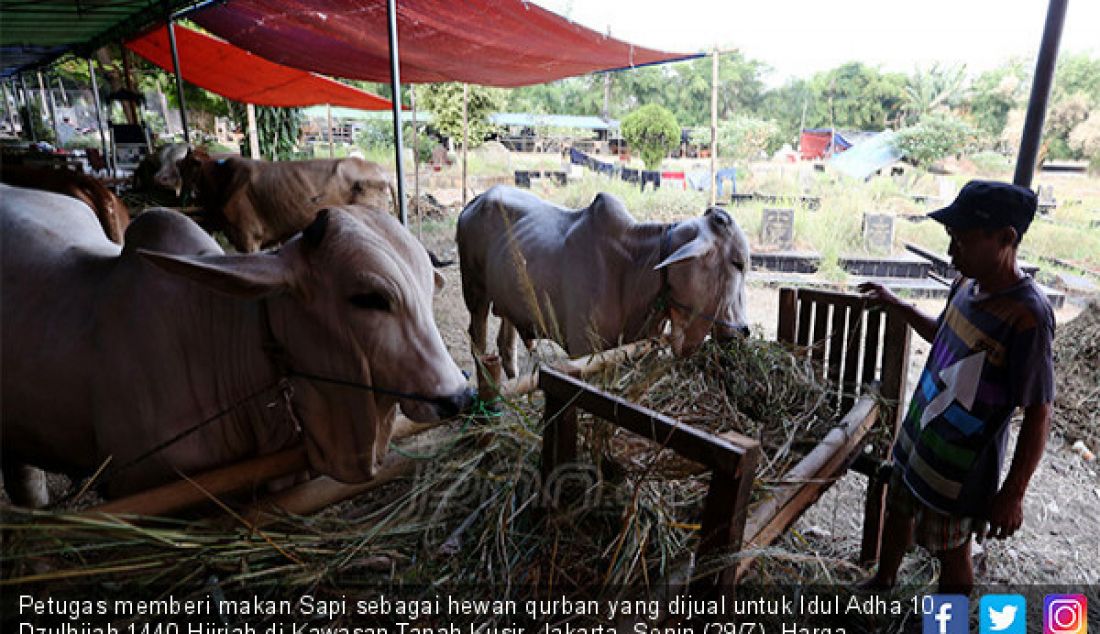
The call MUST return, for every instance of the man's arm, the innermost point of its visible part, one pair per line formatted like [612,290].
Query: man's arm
[919,321]
[1007,512]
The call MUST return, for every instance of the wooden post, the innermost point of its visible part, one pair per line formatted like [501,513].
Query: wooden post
[331,149]
[47,107]
[179,78]
[11,106]
[714,128]
[465,135]
[253,133]
[416,164]
[1042,81]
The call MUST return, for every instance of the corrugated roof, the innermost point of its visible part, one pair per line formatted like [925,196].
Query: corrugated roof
[33,33]
[528,120]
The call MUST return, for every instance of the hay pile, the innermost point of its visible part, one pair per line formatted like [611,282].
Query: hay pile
[1077,378]
[471,516]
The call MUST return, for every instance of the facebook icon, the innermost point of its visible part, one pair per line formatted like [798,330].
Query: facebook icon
[946,614]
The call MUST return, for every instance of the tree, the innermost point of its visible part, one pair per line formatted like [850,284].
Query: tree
[653,131]
[995,93]
[935,89]
[278,129]
[444,101]
[855,95]
[1061,119]
[743,138]
[1085,140]
[936,137]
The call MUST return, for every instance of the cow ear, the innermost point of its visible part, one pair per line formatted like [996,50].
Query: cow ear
[247,276]
[697,247]
[315,232]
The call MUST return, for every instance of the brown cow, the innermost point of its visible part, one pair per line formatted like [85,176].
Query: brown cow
[112,213]
[259,203]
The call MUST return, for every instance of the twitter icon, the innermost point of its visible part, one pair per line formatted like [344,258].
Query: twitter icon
[1003,614]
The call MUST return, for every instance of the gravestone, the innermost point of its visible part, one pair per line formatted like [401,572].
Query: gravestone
[777,229]
[878,232]
[1047,202]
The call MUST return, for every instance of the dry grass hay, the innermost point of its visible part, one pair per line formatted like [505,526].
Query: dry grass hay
[1077,378]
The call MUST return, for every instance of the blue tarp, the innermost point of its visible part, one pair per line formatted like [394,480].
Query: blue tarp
[868,157]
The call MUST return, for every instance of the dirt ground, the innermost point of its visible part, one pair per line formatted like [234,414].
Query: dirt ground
[1058,543]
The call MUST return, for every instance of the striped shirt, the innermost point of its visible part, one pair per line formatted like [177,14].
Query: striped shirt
[991,354]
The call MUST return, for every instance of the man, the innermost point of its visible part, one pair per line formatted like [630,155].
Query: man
[991,353]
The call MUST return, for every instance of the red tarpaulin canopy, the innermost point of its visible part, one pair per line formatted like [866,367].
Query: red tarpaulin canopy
[488,42]
[241,76]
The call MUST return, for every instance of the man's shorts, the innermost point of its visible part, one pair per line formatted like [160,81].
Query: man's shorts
[935,531]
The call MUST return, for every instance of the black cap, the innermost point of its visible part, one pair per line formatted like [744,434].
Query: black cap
[990,205]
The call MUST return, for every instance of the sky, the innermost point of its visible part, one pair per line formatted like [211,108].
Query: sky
[800,37]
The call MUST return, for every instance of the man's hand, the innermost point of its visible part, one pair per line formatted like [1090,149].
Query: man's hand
[879,294]
[1006,514]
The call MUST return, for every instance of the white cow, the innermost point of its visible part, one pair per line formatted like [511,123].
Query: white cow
[592,278]
[110,353]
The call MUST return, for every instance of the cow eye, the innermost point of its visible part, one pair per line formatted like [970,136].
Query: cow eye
[740,266]
[370,301]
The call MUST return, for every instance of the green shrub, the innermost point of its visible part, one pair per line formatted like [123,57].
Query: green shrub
[936,137]
[653,132]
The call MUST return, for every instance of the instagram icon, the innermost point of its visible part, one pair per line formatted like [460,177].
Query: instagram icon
[1065,614]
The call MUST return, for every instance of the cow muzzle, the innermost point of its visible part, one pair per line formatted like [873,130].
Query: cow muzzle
[455,404]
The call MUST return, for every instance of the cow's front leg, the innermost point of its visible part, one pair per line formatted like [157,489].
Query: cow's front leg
[479,317]
[506,347]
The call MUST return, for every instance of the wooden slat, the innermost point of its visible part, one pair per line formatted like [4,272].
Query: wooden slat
[788,311]
[837,337]
[248,474]
[852,340]
[871,337]
[810,478]
[804,308]
[895,361]
[712,451]
[819,338]
[724,513]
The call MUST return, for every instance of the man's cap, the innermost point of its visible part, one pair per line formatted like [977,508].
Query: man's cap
[990,205]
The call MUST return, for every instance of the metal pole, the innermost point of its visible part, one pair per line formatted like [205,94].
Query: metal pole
[179,79]
[714,129]
[395,83]
[1040,93]
[27,106]
[465,135]
[98,118]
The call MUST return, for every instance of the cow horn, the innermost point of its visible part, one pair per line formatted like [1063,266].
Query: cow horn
[316,229]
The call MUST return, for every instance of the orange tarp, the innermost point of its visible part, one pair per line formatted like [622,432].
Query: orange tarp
[236,74]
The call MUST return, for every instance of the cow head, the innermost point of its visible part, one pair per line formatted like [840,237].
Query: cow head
[706,279]
[349,299]
[187,172]
[168,173]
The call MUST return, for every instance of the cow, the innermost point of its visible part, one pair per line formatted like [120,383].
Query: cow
[112,213]
[211,358]
[158,170]
[259,204]
[592,278]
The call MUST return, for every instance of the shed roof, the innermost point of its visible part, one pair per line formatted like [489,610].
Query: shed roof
[35,32]
[487,42]
[234,73]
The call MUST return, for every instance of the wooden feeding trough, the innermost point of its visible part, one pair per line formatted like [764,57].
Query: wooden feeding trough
[864,353]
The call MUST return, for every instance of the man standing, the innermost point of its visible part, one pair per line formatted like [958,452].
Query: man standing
[991,353]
